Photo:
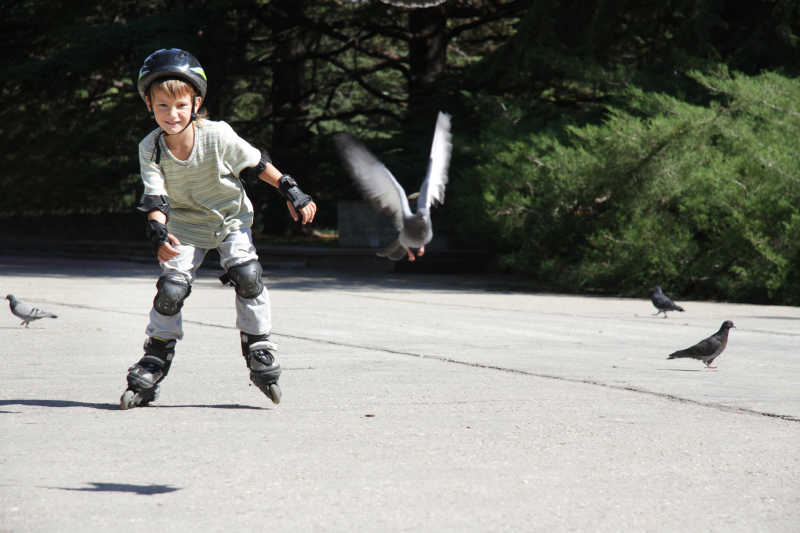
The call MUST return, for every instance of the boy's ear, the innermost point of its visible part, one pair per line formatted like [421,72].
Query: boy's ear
[147,103]
[198,102]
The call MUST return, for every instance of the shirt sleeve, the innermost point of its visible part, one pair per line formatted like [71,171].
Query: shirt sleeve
[237,153]
[152,177]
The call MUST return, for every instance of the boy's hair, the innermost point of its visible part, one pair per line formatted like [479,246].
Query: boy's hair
[172,86]
[175,88]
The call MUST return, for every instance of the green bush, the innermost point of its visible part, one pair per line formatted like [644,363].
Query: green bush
[702,199]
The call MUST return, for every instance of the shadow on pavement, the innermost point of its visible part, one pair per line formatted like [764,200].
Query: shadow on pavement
[143,490]
[115,406]
[61,403]
[304,279]
[207,406]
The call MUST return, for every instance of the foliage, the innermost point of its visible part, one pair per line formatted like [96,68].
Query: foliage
[599,145]
[702,199]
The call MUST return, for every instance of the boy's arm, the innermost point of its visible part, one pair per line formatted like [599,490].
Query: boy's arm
[158,216]
[271,175]
[300,204]
[154,203]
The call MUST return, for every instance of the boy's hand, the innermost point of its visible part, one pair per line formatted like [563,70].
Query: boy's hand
[301,206]
[307,212]
[163,242]
[167,250]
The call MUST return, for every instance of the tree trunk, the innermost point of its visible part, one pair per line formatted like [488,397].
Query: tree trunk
[427,60]
[289,82]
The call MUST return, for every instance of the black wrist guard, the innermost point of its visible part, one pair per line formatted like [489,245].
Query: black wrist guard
[292,192]
[250,174]
[156,232]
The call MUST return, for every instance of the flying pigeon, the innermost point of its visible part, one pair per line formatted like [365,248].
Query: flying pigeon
[26,312]
[707,349]
[382,190]
[662,302]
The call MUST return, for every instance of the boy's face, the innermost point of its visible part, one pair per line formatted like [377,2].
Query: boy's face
[172,113]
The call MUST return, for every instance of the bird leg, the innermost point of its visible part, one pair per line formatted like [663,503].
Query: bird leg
[420,253]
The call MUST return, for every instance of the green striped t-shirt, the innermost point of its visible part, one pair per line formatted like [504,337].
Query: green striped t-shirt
[206,198]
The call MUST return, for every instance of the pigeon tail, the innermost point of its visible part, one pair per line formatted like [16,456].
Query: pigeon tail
[394,251]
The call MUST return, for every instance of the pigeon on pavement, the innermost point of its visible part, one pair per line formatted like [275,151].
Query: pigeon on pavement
[26,312]
[707,349]
[382,190]
[662,302]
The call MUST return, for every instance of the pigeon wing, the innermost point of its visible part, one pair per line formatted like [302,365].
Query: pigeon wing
[431,192]
[704,348]
[26,311]
[373,179]
[661,301]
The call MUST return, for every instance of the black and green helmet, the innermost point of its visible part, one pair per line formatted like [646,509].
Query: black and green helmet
[172,64]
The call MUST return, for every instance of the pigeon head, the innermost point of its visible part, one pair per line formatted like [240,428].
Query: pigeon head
[657,289]
[727,325]
[9,296]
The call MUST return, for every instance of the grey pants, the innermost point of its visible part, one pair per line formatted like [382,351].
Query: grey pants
[253,315]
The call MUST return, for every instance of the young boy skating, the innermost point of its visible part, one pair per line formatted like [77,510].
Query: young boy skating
[192,169]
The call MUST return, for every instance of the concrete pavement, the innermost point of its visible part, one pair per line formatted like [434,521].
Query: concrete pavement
[410,402]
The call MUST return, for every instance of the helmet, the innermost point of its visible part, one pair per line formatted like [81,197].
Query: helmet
[175,64]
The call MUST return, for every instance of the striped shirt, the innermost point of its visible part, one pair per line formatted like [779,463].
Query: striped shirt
[206,198]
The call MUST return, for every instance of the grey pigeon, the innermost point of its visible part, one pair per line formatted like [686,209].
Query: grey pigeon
[381,189]
[26,312]
[707,349]
[662,302]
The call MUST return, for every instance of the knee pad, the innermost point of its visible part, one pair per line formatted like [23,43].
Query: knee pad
[246,277]
[172,291]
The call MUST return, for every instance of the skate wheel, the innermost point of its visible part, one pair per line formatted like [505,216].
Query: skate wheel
[127,400]
[275,393]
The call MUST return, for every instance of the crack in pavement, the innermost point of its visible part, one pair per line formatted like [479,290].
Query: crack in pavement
[473,364]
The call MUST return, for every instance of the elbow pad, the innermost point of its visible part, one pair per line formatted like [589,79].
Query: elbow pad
[152,202]
[251,174]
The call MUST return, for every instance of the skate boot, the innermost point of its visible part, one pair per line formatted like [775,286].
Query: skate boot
[145,375]
[264,368]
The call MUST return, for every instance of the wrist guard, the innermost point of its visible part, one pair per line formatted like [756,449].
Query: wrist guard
[292,193]
[156,232]
[251,174]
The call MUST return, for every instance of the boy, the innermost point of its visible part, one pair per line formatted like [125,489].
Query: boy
[194,201]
